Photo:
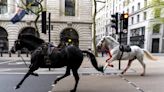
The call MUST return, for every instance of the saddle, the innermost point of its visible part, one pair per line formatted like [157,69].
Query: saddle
[125,48]
[47,50]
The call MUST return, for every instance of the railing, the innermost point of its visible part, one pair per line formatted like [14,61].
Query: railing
[9,54]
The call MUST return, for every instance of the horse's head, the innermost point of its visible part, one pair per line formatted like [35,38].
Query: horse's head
[17,46]
[102,44]
[107,42]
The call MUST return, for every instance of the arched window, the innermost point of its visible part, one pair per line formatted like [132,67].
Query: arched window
[3,40]
[69,34]
[29,30]
[69,7]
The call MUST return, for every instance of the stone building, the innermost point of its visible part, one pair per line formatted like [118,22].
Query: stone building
[69,19]
[144,27]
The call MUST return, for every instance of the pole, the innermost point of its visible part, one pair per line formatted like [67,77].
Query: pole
[49,27]
[121,23]
[49,30]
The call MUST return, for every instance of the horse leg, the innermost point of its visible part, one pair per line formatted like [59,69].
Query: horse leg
[34,74]
[108,60]
[127,67]
[143,65]
[20,83]
[67,73]
[76,76]
[108,63]
[32,69]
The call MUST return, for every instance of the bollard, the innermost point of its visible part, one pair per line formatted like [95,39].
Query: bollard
[9,54]
[1,54]
[27,54]
[19,52]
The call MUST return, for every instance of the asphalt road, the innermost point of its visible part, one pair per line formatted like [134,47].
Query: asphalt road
[32,84]
[12,71]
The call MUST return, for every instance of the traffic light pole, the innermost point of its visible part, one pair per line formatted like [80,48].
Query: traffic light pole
[120,36]
[49,27]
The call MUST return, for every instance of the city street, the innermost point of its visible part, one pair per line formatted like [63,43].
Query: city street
[54,32]
[12,69]
[114,82]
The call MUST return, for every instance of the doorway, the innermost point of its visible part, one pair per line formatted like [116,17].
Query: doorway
[155,45]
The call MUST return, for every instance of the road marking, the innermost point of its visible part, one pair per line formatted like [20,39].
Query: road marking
[132,84]
[6,62]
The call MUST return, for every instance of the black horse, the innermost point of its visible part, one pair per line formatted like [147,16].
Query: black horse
[69,56]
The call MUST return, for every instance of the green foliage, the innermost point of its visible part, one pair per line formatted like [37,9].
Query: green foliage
[156,28]
[157,6]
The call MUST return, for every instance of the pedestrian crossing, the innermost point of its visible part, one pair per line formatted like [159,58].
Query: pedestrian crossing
[18,69]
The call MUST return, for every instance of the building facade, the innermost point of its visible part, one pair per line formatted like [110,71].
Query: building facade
[145,29]
[69,19]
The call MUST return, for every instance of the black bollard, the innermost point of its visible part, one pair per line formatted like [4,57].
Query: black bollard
[27,54]
[9,54]
[1,54]
[19,52]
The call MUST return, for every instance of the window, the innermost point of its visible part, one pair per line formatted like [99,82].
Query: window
[156,28]
[69,7]
[145,16]
[138,6]
[142,30]
[127,10]
[138,18]
[132,20]
[145,3]
[132,9]
[124,3]
[3,6]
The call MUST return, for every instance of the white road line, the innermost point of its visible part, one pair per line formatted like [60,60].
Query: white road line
[132,84]
[6,62]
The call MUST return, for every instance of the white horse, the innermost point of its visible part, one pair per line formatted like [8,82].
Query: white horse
[135,52]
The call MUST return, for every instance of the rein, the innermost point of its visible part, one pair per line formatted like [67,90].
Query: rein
[24,61]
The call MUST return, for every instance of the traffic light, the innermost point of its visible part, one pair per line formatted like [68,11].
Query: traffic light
[115,22]
[125,20]
[44,22]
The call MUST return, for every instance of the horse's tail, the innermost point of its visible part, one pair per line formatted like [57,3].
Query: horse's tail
[93,61]
[149,55]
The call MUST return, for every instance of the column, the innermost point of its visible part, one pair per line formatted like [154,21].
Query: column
[10,6]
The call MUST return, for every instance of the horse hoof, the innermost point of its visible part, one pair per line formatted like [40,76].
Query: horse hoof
[142,75]
[17,87]
[122,73]
[72,90]
[35,74]
[55,82]
[111,65]
[53,85]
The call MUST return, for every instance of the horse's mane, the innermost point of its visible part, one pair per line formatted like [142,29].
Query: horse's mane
[112,39]
[31,38]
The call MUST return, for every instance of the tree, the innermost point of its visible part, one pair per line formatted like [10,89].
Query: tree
[157,6]
[94,27]
[94,24]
